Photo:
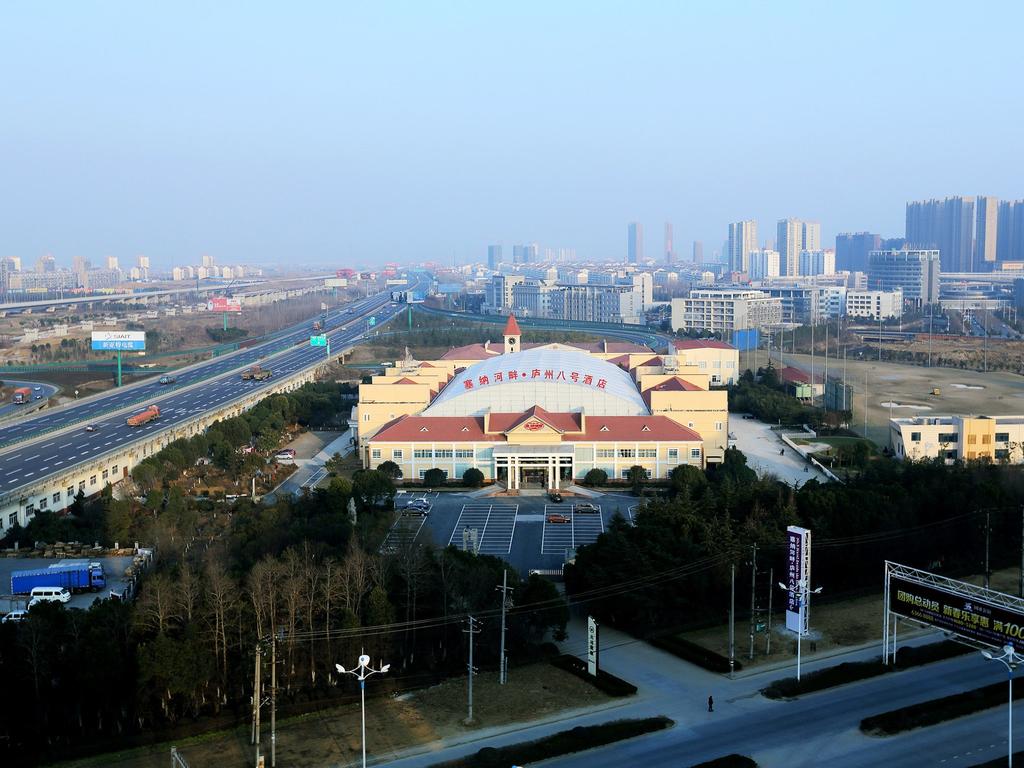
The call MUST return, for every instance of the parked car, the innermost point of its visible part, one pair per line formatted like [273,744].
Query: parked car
[555,496]
[414,510]
[285,453]
[586,508]
[19,614]
[48,595]
[556,518]
[420,503]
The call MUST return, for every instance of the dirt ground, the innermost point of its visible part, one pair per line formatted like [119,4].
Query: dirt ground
[908,388]
[332,736]
[833,627]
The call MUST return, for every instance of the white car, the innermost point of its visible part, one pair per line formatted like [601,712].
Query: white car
[19,614]
[48,595]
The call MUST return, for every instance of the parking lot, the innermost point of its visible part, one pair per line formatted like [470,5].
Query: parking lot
[519,530]
[113,568]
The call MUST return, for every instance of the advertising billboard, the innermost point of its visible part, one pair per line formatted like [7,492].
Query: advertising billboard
[970,616]
[336,282]
[119,341]
[223,304]
[798,577]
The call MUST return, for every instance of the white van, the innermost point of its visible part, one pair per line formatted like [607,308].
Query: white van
[48,595]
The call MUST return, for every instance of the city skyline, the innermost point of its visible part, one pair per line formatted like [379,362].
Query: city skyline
[312,158]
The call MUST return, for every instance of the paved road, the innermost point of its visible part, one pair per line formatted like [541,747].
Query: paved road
[29,461]
[815,730]
[45,391]
[53,419]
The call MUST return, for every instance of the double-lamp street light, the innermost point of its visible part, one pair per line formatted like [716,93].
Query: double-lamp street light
[803,598]
[360,673]
[1011,659]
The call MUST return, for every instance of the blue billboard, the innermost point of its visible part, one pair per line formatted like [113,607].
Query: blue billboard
[119,341]
[746,340]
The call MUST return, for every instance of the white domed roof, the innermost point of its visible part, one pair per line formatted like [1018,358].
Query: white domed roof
[556,380]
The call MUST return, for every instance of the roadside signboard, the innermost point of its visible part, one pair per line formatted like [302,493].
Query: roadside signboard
[318,341]
[119,341]
[223,304]
[593,646]
[798,577]
[373,320]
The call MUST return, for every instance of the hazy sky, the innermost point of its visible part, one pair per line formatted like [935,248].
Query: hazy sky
[350,134]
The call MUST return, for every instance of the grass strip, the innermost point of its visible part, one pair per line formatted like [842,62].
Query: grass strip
[938,710]
[577,739]
[604,681]
[728,761]
[852,671]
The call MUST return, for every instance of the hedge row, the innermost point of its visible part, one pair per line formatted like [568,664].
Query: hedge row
[729,761]
[696,654]
[938,710]
[577,739]
[605,681]
[852,671]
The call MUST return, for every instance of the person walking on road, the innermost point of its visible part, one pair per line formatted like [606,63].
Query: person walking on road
[711,703]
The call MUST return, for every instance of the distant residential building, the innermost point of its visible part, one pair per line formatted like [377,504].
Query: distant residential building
[7,268]
[764,263]
[946,225]
[914,272]
[698,252]
[799,302]
[209,261]
[724,310]
[498,293]
[817,263]
[98,279]
[852,249]
[986,234]
[532,298]
[635,242]
[525,254]
[46,263]
[832,301]
[670,250]
[953,438]
[15,263]
[598,303]
[794,236]
[1010,237]
[43,282]
[493,256]
[742,240]
[112,262]
[717,358]
[873,305]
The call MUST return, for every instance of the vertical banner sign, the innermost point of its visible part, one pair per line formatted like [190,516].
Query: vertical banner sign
[592,646]
[798,577]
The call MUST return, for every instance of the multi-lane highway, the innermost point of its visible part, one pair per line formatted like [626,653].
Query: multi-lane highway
[40,391]
[197,390]
[94,407]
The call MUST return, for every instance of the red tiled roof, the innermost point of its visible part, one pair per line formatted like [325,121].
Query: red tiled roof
[426,365]
[409,381]
[675,384]
[563,422]
[701,344]
[512,327]
[471,428]
[479,352]
[797,376]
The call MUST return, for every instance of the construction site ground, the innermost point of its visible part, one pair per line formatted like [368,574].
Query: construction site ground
[332,736]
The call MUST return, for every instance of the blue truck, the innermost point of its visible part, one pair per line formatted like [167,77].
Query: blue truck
[73,575]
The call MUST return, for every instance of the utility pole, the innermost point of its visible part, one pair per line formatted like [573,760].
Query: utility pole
[256,696]
[753,598]
[768,628]
[471,631]
[505,605]
[732,621]
[273,702]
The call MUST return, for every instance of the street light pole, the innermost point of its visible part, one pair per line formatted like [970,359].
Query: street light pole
[360,673]
[1010,659]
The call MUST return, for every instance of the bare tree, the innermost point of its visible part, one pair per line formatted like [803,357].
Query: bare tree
[158,603]
[189,592]
[222,603]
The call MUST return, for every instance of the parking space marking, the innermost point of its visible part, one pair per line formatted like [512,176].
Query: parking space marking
[494,523]
[587,526]
[556,538]
[402,533]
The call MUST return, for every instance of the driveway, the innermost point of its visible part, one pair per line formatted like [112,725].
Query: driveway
[768,455]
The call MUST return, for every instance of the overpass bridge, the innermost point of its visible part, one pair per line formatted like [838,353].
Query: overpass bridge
[51,457]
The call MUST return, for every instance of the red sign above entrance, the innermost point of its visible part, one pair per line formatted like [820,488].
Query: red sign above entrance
[501,377]
[532,426]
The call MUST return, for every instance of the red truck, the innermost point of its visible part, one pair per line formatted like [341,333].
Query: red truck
[144,417]
[22,395]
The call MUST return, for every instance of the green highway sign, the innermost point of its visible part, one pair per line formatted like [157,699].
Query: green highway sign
[318,341]
[373,320]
